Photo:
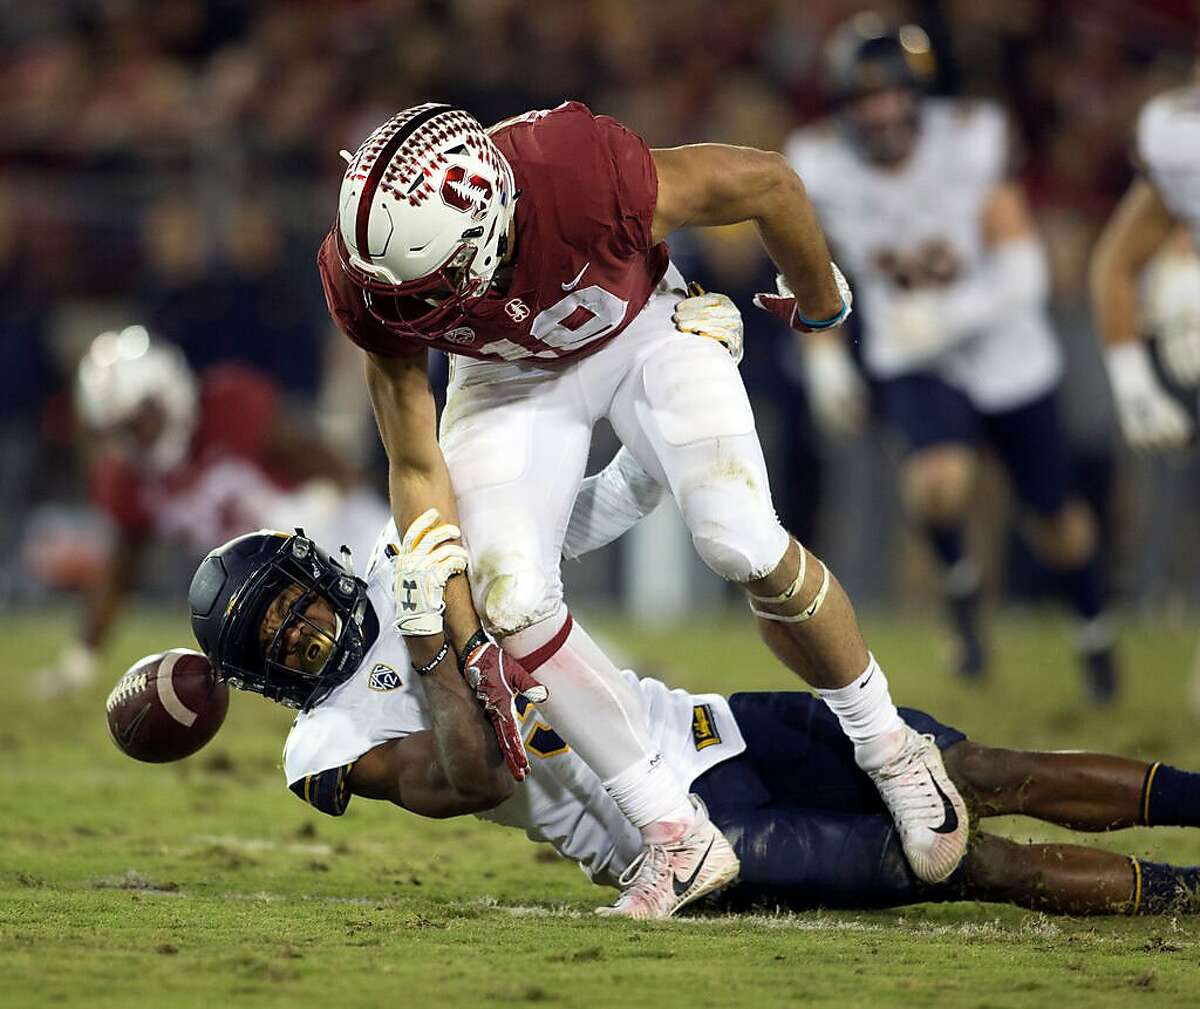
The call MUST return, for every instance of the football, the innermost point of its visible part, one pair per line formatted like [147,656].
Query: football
[167,706]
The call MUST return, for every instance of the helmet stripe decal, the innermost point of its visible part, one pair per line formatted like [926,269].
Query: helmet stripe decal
[363,214]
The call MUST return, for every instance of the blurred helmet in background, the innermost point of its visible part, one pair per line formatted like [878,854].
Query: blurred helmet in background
[875,75]
[141,392]
[424,214]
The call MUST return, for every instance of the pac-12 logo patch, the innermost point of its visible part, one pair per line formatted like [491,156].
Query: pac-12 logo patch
[384,678]
[704,726]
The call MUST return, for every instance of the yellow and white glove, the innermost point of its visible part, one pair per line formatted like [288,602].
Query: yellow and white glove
[1150,419]
[835,389]
[431,553]
[714,316]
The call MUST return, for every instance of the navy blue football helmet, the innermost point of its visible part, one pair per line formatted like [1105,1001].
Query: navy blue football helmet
[238,583]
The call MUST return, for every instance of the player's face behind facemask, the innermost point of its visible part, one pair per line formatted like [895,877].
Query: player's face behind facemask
[883,125]
[298,631]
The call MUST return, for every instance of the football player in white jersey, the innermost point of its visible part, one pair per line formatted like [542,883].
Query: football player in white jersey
[914,196]
[391,718]
[1165,197]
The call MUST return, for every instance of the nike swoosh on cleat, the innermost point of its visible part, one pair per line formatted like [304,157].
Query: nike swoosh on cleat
[578,277]
[682,886]
[950,823]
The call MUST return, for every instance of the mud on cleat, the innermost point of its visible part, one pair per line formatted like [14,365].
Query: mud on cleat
[930,815]
[666,877]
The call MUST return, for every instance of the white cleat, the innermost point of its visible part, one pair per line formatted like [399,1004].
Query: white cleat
[665,877]
[930,815]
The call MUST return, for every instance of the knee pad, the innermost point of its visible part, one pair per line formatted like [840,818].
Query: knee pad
[511,594]
[735,531]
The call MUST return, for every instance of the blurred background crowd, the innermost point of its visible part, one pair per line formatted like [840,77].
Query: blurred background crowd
[174,163]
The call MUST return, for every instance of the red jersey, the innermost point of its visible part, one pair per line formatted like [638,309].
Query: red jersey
[220,488]
[585,263]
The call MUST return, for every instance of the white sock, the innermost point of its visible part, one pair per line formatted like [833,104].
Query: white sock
[601,716]
[649,795]
[865,710]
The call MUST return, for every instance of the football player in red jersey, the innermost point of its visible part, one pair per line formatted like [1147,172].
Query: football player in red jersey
[190,459]
[534,254]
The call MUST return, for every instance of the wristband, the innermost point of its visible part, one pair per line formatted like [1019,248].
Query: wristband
[829,323]
[433,663]
[480,637]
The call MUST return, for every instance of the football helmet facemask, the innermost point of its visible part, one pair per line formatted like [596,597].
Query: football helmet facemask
[423,218]
[238,583]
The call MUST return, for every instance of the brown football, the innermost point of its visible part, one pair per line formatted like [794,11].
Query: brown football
[167,706]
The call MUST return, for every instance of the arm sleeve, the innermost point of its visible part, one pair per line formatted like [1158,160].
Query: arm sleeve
[1013,276]
[327,791]
[609,504]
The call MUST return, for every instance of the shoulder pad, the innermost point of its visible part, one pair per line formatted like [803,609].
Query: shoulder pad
[328,791]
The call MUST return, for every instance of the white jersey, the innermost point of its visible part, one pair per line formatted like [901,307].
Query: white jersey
[922,223]
[561,802]
[1168,142]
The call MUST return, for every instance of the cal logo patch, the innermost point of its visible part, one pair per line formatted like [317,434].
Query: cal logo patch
[384,678]
[704,727]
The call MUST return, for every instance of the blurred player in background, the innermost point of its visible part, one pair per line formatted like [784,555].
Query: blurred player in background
[534,254]
[1147,222]
[1165,198]
[389,717]
[193,459]
[915,196]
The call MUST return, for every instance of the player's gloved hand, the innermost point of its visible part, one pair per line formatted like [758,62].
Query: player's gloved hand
[497,679]
[914,327]
[714,316]
[783,305]
[835,388]
[1150,419]
[430,555]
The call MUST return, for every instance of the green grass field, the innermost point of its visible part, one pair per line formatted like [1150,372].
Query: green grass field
[206,883]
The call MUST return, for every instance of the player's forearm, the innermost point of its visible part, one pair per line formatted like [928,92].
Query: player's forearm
[1137,229]
[1013,277]
[467,754]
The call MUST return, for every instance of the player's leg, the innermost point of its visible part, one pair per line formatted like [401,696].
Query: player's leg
[938,428]
[1083,791]
[683,412]
[1072,879]
[516,442]
[1061,530]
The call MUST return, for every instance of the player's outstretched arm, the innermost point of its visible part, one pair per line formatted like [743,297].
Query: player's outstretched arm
[1137,229]
[417,475]
[715,184]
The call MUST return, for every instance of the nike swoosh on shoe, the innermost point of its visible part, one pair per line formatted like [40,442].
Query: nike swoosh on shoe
[682,886]
[950,824]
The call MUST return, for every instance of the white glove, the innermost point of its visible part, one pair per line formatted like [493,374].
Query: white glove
[783,304]
[430,555]
[835,388]
[1179,348]
[714,316]
[1150,419]
[73,670]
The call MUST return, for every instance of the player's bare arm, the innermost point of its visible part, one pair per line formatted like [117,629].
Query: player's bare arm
[450,770]
[1137,229]
[716,184]
[417,476]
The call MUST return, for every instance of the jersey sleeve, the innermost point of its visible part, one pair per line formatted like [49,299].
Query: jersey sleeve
[635,189]
[238,409]
[327,791]
[116,490]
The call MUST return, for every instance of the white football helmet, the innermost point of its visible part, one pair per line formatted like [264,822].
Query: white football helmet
[424,215]
[120,373]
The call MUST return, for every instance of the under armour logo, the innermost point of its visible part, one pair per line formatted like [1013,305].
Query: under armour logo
[408,603]
[517,310]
